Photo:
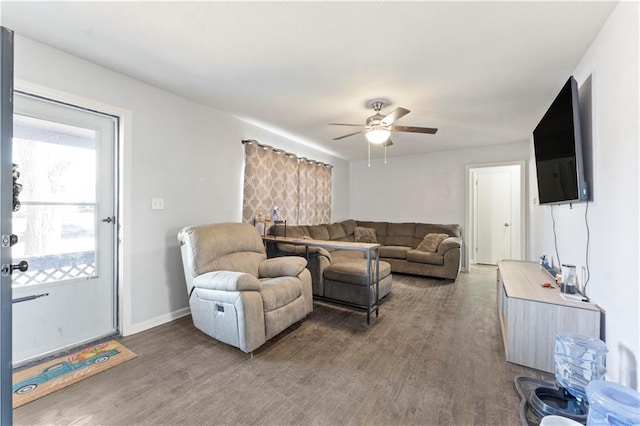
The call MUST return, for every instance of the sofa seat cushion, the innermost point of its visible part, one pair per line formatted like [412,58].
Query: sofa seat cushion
[280,291]
[354,271]
[394,252]
[420,256]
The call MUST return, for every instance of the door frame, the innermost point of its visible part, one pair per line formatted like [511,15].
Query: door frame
[469,202]
[123,200]
[6,135]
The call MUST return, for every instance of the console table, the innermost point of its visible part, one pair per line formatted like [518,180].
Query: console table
[531,315]
[371,250]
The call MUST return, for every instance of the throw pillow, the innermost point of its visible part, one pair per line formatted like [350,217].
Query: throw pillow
[365,235]
[430,242]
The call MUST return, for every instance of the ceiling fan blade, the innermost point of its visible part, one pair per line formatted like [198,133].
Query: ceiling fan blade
[344,124]
[388,142]
[414,129]
[346,136]
[394,115]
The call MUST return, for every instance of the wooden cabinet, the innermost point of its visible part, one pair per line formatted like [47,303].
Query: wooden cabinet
[532,315]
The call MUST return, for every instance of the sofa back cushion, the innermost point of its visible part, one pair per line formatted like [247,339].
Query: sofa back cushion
[336,232]
[298,231]
[318,232]
[349,226]
[400,234]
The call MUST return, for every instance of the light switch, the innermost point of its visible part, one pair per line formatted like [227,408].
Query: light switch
[157,203]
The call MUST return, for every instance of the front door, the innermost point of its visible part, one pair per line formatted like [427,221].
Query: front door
[65,226]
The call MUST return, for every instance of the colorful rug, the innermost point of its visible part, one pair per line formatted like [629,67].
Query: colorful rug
[50,376]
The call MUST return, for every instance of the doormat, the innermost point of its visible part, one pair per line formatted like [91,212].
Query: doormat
[50,376]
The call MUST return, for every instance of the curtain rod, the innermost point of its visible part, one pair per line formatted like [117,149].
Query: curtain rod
[281,151]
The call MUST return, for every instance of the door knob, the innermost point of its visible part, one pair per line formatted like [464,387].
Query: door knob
[506,224]
[21,266]
[109,219]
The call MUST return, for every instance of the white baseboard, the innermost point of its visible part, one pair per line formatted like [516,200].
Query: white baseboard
[154,322]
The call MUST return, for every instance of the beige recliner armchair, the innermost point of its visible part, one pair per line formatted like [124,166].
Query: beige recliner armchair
[236,294]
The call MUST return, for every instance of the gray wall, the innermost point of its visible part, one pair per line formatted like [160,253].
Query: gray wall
[174,148]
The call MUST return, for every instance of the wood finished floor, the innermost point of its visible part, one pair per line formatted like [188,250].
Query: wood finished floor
[434,356]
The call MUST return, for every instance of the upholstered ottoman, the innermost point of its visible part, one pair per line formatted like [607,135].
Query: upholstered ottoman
[346,281]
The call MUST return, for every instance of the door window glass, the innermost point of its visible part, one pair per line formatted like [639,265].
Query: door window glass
[56,222]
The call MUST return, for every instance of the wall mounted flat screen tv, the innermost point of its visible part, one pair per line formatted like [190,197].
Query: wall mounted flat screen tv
[557,142]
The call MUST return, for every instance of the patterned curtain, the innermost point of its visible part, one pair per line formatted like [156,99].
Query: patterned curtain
[284,185]
[314,205]
[299,187]
[257,194]
[323,178]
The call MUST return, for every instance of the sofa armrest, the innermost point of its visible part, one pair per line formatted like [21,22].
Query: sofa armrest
[448,244]
[227,281]
[321,251]
[290,249]
[286,266]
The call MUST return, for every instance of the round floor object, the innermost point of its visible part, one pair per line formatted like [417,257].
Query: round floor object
[558,421]
[547,401]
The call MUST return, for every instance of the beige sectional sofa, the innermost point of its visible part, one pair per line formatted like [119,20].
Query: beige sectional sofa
[331,270]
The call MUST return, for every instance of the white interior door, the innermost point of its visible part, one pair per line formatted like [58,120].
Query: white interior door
[493,201]
[65,225]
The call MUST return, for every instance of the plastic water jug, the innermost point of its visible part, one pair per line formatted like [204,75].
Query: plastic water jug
[579,360]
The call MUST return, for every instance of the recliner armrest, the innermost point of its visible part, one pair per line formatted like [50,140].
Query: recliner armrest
[286,266]
[227,281]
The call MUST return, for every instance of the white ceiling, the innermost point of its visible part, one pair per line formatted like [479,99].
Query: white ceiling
[481,72]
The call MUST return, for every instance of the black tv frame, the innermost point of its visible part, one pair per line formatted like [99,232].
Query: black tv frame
[543,153]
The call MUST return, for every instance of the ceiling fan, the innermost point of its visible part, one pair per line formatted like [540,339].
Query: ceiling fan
[378,127]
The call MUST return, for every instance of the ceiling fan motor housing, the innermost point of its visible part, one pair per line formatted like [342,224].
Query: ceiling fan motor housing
[375,120]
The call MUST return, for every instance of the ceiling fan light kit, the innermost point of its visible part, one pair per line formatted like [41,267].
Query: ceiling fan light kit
[378,127]
[378,136]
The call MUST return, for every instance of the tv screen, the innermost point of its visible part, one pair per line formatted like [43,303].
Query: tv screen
[557,143]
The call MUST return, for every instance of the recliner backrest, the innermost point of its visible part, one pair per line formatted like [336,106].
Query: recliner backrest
[222,246]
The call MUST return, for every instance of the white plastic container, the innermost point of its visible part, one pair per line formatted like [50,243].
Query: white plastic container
[558,421]
[612,404]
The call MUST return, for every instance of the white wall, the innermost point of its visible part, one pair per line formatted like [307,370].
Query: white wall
[611,64]
[421,188]
[176,149]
